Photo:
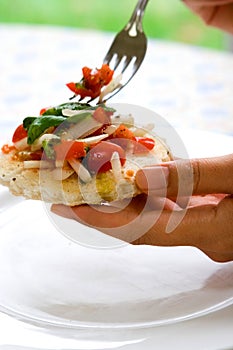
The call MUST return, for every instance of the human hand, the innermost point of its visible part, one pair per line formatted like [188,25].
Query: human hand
[206,221]
[217,13]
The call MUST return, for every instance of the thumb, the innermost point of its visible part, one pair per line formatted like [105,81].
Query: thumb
[203,175]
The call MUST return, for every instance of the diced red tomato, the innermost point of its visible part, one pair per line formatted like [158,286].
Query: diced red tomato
[72,87]
[92,82]
[86,72]
[101,76]
[19,134]
[122,136]
[43,110]
[91,78]
[123,132]
[6,149]
[106,74]
[78,89]
[99,157]
[143,144]
[70,149]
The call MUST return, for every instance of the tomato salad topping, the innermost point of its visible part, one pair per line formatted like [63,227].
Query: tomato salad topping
[95,83]
[77,138]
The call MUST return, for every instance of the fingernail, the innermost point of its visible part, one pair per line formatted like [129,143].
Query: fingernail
[152,178]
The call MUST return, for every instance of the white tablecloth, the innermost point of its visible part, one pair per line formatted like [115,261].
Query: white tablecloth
[189,86]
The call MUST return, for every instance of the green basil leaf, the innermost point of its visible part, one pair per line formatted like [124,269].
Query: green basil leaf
[28,121]
[82,122]
[40,124]
[74,119]
[57,110]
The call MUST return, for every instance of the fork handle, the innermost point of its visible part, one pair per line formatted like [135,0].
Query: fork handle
[137,15]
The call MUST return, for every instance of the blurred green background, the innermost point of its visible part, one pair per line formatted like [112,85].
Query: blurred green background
[169,20]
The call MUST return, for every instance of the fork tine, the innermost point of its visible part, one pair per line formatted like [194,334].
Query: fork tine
[137,65]
[134,67]
[117,61]
[113,93]
[134,70]
[91,99]
[71,98]
[108,57]
[126,63]
[81,99]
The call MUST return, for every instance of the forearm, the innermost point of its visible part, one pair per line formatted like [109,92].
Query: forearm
[217,13]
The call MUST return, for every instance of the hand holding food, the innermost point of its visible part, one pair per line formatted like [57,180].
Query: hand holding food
[208,220]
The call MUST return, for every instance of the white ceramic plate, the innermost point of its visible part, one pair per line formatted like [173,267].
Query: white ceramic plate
[49,280]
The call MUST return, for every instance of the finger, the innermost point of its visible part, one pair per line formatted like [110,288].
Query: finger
[214,12]
[100,217]
[123,220]
[156,203]
[104,217]
[115,214]
[200,176]
[118,224]
[212,234]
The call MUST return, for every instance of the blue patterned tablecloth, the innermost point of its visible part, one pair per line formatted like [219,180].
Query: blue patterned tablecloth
[189,86]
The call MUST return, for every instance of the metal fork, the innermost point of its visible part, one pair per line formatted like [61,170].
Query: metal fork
[128,48]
